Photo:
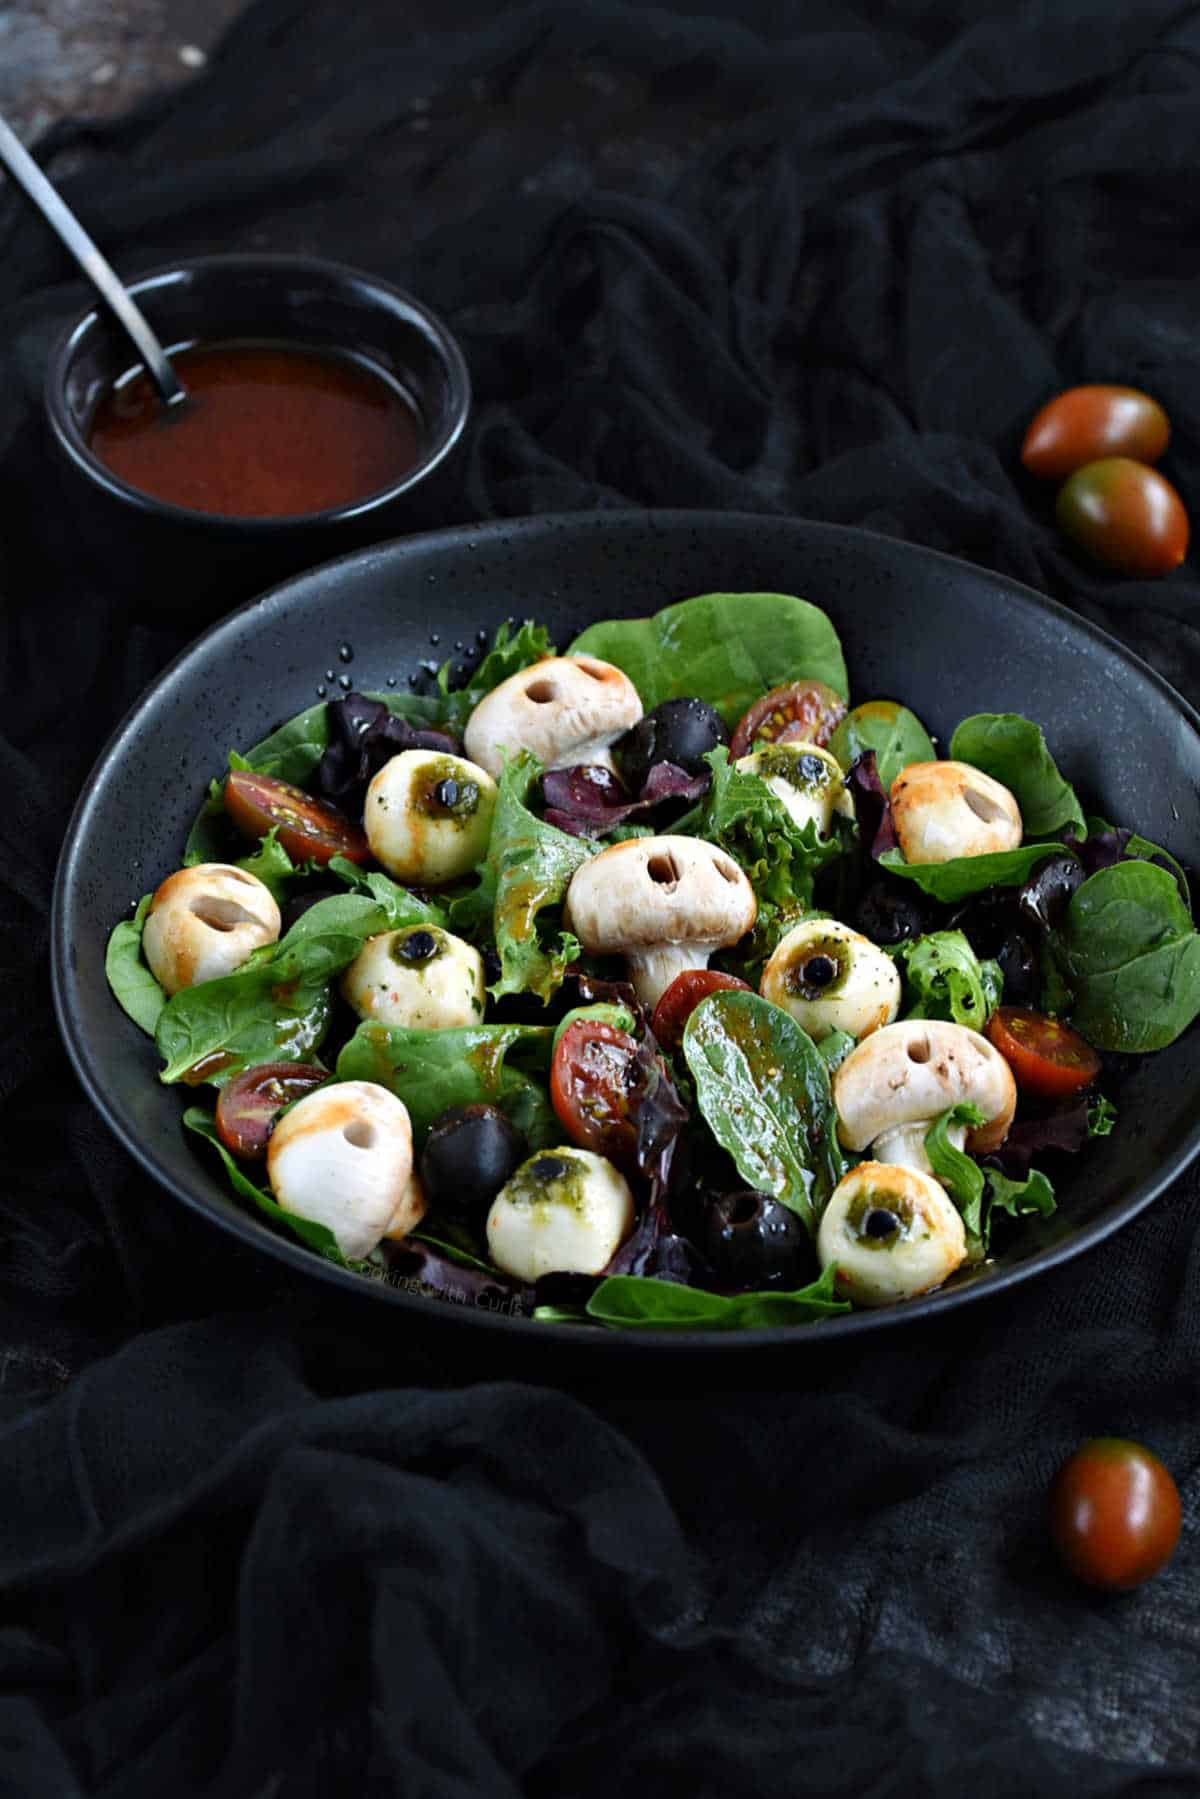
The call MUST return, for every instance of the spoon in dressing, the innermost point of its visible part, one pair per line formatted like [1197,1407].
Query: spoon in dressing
[46,198]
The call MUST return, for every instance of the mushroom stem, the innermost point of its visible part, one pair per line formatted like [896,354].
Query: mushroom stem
[595,754]
[652,970]
[904,1145]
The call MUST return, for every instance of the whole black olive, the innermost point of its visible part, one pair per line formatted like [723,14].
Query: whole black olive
[469,1154]
[752,1241]
[1021,970]
[678,731]
[1044,897]
[887,914]
[986,919]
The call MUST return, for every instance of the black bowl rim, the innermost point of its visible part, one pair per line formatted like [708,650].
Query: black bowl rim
[603,1340]
[434,329]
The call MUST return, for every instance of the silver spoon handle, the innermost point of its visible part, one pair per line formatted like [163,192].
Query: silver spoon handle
[25,171]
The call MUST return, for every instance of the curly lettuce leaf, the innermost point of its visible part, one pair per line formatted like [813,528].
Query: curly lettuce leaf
[944,978]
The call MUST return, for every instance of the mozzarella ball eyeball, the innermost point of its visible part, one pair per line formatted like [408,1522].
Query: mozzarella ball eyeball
[893,1233]
[428,816]
[830,978]
[206,921]
[420,977]
[342,1156]
[807,779]
[564,1211]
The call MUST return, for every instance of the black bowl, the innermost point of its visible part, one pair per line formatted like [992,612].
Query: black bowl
[945,637]
[199,564]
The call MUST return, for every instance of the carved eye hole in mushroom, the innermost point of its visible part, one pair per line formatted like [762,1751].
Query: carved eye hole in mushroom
[662,870]
[726,870]
[541,692]
[918,1049]
[359,1134]
[594,669]
[220,914]
[983,806]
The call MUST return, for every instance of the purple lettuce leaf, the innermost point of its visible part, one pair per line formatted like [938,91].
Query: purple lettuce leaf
[363,735]
[589,800]
[422,1266]
[1064,1129]
[872,807]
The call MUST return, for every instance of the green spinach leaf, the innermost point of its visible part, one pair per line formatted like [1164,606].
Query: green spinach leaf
[1140,849]
[896,735]
[311,1234]
[943,978]
[1130,956]
[1013,751]
[964,875]
[763,1089]
[125,968]
[834,1048]
[501,1065]
[400,907]
[635,1302]
[277,1007]
[726,648]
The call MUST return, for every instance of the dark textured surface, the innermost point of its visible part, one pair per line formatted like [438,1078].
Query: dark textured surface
[790,261]
[884,597]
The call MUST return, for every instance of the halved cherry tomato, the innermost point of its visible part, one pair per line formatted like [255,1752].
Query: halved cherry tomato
[1115,1513]
[1124,514]
[802,712]
[310,830]
[590,1080]
[1047,1058]
[681,998]
[249,1104]
[1086,423]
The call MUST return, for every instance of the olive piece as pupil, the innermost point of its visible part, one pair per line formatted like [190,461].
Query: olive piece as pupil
[548,1168]
[880,1223]
[418,946]
[819,971]
[446,793]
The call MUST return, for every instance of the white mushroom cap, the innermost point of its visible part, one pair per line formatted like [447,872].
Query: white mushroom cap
[831,978]
[807,779]
[664,903]
[421,977]
[893,1233]
[564,1211]
[566,709]
[206,921]
[947,809]
[428,816]
[912,1072]
[343,1157]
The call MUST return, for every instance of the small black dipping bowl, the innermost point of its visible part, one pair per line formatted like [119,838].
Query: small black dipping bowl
[193,566]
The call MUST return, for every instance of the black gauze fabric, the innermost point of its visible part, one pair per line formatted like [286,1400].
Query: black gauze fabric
[821,261]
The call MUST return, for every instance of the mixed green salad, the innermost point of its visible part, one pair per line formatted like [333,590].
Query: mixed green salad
[652,984]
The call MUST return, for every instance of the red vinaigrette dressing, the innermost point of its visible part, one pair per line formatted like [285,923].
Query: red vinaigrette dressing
[268,431]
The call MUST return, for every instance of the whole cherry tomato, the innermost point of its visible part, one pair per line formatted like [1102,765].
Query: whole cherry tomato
[680,999]
[591,1075]
[801,712]
[1125,515]
[1085,424]
[1046,1057]
[249,1104]
[1115,1513]
[310,830]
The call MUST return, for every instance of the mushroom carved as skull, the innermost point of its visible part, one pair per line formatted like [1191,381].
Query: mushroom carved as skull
[890,1088]
[566,709]
[943,810]
[664,903]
